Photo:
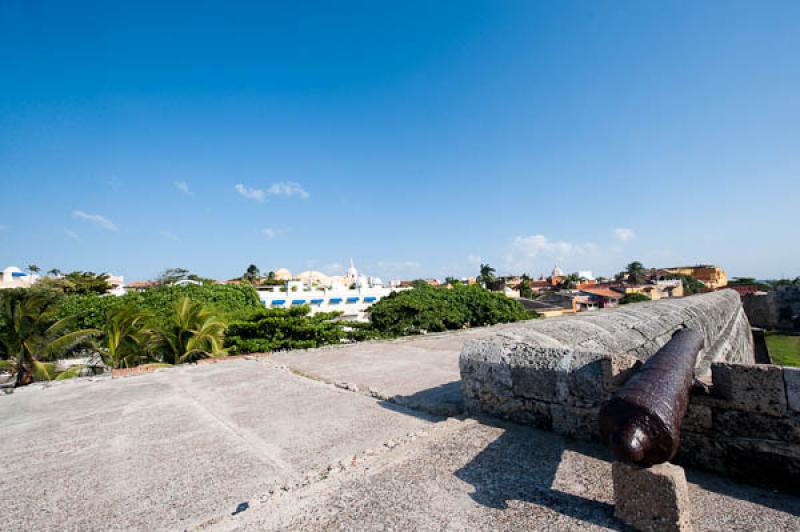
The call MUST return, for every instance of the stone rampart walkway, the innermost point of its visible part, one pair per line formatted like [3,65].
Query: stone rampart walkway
[184,448]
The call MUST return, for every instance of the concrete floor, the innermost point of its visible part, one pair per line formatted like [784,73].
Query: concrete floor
[184,447]
[158,451]
[420,372]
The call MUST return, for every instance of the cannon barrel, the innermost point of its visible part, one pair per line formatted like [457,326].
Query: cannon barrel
[641,423]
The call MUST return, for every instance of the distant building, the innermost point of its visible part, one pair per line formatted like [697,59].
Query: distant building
[352,293]
[140,286]
[13,277]
[597,298]
[713,277]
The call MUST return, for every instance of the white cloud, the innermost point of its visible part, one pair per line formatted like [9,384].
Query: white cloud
[528,252]
[96,219]
[287,188]
[71,234]
[250,193]
[269,232]
[624,234]
[169,236]
[283,188]
[183,186]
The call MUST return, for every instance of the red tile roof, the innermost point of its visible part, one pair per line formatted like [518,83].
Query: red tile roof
[602,292]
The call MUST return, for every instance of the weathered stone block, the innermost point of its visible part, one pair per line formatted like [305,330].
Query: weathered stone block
[791,379]
[735,423]
[702,450]
[617,369]
[580,423]
[758,461]
[557,375]
[697,419]
[752,388]
[652,499]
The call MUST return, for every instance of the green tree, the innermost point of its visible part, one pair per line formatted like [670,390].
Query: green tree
[432,309]
[690,284]
[54,272]
[570,281]
[172,275]
[486,274]
[292,328]
[191,332]
[30,335]
[127,339]
[252,274]
[78,283]
[34,268]
[633,298]
[636,272]
[525,287]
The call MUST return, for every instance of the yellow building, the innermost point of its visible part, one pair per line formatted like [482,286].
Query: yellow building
[713,277]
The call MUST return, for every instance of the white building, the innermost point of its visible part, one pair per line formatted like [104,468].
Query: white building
[352,294]
[13,277]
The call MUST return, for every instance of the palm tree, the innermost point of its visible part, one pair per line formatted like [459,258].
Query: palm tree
[636,272]
[33,268]
[127,338]
[486,274]
[55,272]
[32,335]
[570,281]
[191,333]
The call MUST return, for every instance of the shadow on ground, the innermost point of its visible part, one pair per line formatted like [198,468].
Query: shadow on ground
[443,400]
[521,465]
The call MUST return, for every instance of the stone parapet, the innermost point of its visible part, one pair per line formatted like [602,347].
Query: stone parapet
[530,373]
[555,374]
[746,427]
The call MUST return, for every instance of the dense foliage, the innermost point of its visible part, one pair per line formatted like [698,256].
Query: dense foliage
[293,328]
[433,309]
[633,298]
[231,301]
[690,284]
[30,333]
[77,283]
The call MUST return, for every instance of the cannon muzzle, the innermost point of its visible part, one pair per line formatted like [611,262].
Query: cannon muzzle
[641,423]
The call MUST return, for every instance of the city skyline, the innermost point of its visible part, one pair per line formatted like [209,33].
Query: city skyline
[422,141]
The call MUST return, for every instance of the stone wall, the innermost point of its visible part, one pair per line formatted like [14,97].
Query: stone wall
[778,309]
[555,373]
[748,427]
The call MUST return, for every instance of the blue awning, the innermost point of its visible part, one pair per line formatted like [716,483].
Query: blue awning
[370,299]
[352,299]
[18,274]
[336,300]
[298,301]
[278,301]
[317,301]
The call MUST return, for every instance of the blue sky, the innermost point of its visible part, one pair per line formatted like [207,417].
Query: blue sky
[420,138]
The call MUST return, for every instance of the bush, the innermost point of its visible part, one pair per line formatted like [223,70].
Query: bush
[279,329]
[633,298]
[231,301]
[433,309]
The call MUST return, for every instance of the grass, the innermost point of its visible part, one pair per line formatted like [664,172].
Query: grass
[784,349]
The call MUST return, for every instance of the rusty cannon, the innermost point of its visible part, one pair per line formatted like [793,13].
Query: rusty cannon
[641,423]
